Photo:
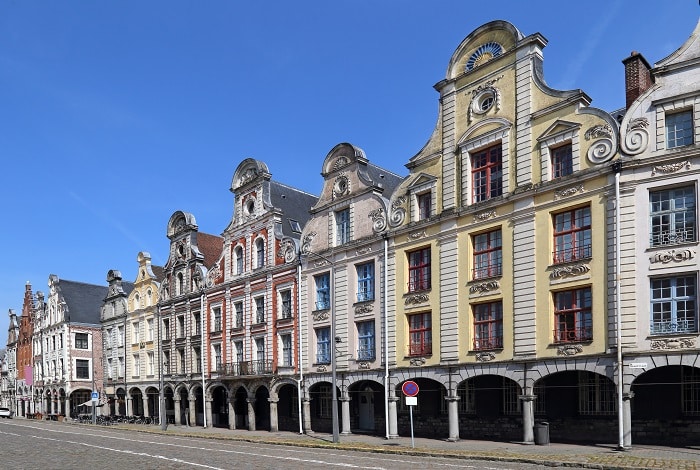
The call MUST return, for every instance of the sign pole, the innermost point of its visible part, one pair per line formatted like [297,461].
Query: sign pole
[410,390]
[410,412]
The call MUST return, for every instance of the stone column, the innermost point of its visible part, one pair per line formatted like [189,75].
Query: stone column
[67,405]
[177,411]
[453,418]
[129,406]
[207,410]
[231,415]
[251,414]
[527,402]
[393,421]
[627,419]
[144,403]
[345,413]
[193,412]
[306,410]
[274,423]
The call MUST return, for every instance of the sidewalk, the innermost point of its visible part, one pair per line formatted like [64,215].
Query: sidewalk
[600,456]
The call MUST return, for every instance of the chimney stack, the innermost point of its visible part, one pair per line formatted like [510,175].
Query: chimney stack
[638,77]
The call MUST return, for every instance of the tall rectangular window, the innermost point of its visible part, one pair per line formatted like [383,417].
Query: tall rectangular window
[120,367]
[365,341]
[149,329]
[323,293]
[182,363]
[218,364]
[260,252]
[166,329]
[572,235]
[82,369]
[181,326]
[487,173]
[562,161]
[286,341]
[286,298]
[573,320]
[166,362]
[238,311]
[135,333]
[259,367]
[81,341]
[149,363]
[217,319]
[238,347]
[238,255]
[260,310]
[672,216]
[323,345]
[679,129]
[136,367]
[488,326]
[673,305]
[488,257]
[419,270]
[197,323]
[365,282]
[197,360]
[420,335]
[342,226]
[424,205]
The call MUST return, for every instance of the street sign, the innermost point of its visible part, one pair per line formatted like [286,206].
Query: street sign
[410,388]
[637,365]
[95,396]
[411,401]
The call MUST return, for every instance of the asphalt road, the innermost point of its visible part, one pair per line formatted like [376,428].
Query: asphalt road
[34,444]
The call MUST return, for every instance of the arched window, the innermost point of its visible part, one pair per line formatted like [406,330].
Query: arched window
[238,260]
[137,300]
[149,298]
[180,284]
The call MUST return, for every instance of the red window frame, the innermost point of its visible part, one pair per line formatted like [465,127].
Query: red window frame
[491,253]
[419,270]
[487,173]
[574,242]
[488,326]
[573,321]
[562,161]
[420,334]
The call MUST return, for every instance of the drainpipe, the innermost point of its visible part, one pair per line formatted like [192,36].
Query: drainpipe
[203,352]
[301,368]
[386,337]
[617,168]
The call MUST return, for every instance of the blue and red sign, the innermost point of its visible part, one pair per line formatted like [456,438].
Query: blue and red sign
[410,388]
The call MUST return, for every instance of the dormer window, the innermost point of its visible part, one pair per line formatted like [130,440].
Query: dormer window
[679,129]
[342,226]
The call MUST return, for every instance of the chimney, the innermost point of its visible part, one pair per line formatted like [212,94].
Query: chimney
[638,77]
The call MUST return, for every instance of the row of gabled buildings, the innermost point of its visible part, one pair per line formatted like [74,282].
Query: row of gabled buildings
[539,261]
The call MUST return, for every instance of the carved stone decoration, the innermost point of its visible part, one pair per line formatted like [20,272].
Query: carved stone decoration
[341,186]
[398,212]
[417,235]
[673,343]
[568,271]
[485,356]
[164,291]
[340,162]
[363,251]
[484,216]
[378,220]
[670,168]
[484,287]
[364,309]
[567,192]
[672,255]
[363,365]
[321,316]
[287,251]
[416,299]
[601,130]
[247,176]
[322,368]
[197,279]
[569,349]
[482,93]
[213,275]
[603,148]
[306,242]
[637,137]
[417,361]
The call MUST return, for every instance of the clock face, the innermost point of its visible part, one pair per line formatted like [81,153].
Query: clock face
[483,54]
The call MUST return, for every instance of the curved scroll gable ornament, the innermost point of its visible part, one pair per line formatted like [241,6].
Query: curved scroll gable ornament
[603,147]
[378,218]
[213,275]
[340,162]
[287,251]
[670,168]
[197,279]
[341,186]
[306,243]
[398,212]
[636,136]
[247,176]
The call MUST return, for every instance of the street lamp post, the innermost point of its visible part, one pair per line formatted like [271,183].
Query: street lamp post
[92,365]
[334,396]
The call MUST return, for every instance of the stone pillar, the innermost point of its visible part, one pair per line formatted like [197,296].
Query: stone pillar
[67,405]
[627,419]
[193,412]
[231,415]
[345,413]
[144,403]
[129,406]
[177,411]
[453,418]
[393,420]
[306,410]
[527,402]
[274,422]
[251,414]
[207,410]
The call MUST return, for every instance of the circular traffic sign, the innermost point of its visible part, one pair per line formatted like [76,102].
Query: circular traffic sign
[410,388]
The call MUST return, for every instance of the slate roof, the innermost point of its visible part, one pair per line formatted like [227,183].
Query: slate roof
[85,300]
[388,180]
[293,203]
[158,272]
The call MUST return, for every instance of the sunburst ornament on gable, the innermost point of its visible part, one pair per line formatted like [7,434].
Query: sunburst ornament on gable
[483,54]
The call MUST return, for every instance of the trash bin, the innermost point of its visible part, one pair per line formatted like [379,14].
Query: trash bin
[542,433]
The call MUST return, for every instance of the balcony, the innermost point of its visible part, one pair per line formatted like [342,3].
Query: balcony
[573,335]
[366,354]
[487,271]
[666,327]
[418,349]
[572,254]
[485,344]
[235,369]
[672,237]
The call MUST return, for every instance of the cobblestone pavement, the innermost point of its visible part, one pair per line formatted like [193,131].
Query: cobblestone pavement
[596,456]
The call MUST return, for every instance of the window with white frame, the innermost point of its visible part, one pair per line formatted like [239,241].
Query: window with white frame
[365,341]
[196,359]
[674,305]
[216,320]
[182,365]
[218,364]
[166,329]
[110,369]
[135,333]
[672,213]
[365,281]
[136,365]
[197,323]
[259,253]
[82,368]
[166,362]
[150,370]
[238,351]
[238,314]
[259,367]
[424,202]
[679,129]
[238,260]
[286,303]
[120,367]
[342,227]
[181,326]
[260,309]
[323,293]
[149,329]
[562,161]
[286,340]
[323,345]
[81,341]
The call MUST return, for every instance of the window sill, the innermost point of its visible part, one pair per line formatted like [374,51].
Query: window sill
[571,261]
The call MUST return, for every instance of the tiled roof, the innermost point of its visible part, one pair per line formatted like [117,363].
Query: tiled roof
[158,272]
[210,246]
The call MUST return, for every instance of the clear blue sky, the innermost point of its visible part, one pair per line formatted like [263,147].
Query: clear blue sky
[115,114]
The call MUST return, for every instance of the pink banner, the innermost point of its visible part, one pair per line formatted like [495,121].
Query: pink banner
[28,375]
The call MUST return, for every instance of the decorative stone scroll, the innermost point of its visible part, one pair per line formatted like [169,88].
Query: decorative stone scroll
[568,271]
[212,275]
[322,368]
[673,343]
[568,192]
[306,242]
[603,148]
[569,350]
[417,361]
[287,251]
[364,309]
[363,251]
[378,220]
[363,365]
[398,212]
[485,356]
[484,216]
[416,299]
[417,235]
[321,316]
[340,162]
[484,287]
[637,137]
[670,168]
[672,255]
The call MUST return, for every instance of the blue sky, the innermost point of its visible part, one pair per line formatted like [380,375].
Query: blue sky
[113,115]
